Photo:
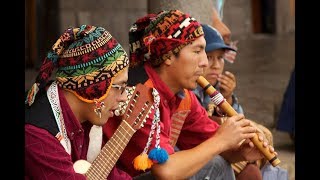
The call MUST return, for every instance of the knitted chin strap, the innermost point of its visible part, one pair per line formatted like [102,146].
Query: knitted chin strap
[51,61]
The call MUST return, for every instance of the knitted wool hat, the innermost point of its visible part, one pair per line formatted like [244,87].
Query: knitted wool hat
[156,36]
[87,59]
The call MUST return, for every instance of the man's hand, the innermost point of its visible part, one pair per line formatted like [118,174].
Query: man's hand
[233,131]
[251,153]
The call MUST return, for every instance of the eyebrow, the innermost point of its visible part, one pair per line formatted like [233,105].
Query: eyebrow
[121,82]
[198,45]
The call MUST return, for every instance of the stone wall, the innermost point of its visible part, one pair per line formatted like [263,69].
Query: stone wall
[117,15]
[237,16]
[200,10]
[114,15]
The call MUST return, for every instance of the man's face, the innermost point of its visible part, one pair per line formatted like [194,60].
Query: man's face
[113,98]
[186,68]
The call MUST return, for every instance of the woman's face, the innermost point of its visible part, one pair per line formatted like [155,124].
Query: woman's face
[216,65]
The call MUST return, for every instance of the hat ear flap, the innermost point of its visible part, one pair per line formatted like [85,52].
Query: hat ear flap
[139,45]
[50,62]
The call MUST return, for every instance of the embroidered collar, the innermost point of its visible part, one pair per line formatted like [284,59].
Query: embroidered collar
[53,97]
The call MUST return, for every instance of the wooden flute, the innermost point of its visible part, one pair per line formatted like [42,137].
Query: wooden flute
[218,100]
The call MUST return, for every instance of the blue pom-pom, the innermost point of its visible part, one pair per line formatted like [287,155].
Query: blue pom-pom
[159,155]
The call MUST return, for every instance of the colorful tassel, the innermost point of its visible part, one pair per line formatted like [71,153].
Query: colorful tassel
[158,155]
[32,94]
[142,162]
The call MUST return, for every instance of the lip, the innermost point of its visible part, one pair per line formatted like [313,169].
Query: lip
[199,74]
[111,113]
[213,75]
[112,110]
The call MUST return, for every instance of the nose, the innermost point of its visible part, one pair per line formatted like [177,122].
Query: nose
[122,97]
[203,60]
[215,63]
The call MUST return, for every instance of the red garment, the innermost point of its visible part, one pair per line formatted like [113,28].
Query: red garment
[197,127]
[250,172]
[45,157]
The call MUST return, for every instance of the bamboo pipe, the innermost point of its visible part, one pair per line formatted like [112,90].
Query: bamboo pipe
[227,108]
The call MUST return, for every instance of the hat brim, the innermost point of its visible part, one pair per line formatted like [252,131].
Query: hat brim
[215,46]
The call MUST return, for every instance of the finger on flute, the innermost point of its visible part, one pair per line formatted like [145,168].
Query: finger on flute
[227,108]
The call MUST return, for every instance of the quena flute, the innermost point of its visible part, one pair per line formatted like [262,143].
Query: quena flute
[218,100]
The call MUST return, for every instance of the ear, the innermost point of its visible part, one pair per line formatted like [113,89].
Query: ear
[169,60]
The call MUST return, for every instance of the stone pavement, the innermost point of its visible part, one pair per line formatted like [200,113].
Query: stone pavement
[262,67]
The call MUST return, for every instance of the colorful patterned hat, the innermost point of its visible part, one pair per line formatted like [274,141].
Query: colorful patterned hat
[156,36]
[87,59]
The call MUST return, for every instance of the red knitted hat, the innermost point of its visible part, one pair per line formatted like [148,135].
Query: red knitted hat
[154,37]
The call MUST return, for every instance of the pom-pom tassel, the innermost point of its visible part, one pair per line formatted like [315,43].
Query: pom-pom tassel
[142,162]
[158,155]
[32,94]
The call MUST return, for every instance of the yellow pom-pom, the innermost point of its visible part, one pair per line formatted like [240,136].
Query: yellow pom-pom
[142,162]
